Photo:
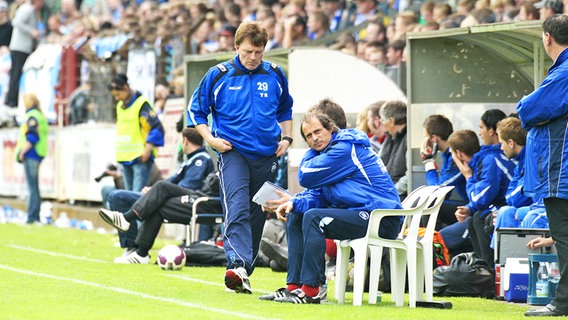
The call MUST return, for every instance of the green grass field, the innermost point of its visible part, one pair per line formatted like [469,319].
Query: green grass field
[51,273]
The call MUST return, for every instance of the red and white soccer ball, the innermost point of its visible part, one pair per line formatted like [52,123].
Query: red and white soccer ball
[171,257]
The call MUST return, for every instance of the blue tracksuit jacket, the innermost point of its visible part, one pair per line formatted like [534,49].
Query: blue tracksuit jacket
[514,195]
[448,175]
[347,174]
[193,171]
[492,172]
[246,106]
[544,114]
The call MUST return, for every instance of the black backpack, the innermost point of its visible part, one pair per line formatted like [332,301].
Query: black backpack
[204,254]
[466,276]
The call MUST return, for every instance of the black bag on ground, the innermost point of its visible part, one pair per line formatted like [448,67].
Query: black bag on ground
[204,254]
[466,276]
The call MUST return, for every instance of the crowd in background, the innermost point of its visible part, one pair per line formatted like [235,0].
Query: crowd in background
[103,31]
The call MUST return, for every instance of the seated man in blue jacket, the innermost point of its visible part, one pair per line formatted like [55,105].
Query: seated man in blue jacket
[167,199]
[487,172]
[344,181]
[513,139]
[437,130]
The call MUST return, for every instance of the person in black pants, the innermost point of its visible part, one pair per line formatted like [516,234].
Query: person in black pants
[165,198]
[164,201]
[544,114]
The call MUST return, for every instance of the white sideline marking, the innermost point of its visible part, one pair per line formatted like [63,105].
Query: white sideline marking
[210,283]
[55,254]
[134,293]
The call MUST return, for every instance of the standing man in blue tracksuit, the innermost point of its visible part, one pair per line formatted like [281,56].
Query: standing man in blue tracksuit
[251,109]
[344,180]
[544,114]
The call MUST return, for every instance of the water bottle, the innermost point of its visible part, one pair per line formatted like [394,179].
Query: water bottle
[542,281]
[8,213]
[553,278]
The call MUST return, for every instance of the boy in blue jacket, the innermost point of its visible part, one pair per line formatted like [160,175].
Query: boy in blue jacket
[437,130]
[487,172]
[513,139]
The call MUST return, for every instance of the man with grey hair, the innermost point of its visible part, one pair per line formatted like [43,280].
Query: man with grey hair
[393,152]
[376,127]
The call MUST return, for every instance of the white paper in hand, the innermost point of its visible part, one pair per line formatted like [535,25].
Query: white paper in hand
[268,192]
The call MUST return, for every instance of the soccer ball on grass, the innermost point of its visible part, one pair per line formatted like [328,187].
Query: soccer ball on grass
[171,257]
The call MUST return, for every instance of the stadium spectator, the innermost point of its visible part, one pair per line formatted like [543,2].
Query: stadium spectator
[227,39]
[24,39]
[295,31]
[395,50]
[333,9]
[376,54]
[404,22]
[161,93]
[528,11]
[318,25]
[364,10]
[5,25]
[548,8]
[427,12]
[375,31]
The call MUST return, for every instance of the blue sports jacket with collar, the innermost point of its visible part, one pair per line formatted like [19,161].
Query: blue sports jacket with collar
[544,114]
[491,175]
[193,171]
[346,174]
[449,175]
[515,196]
[246,106]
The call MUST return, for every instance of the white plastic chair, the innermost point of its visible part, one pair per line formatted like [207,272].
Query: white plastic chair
[412,207]
[425,244]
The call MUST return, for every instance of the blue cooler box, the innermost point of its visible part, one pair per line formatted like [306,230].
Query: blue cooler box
[515,279]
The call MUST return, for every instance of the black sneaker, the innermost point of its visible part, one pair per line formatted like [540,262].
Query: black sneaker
[298,296]
[280,293]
